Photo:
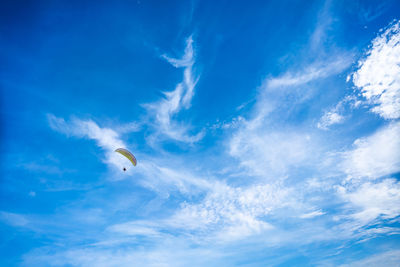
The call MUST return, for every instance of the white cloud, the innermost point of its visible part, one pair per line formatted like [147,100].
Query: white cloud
[166,176]
[224,215]
[330,118]
[334,115]
[378,75]
[227,213]
[232,124]
[188,58]
[312,214]
[175,101]
[106,138]
[166,253]
[318,70]
[376,155]
[128,128]
[270,153]
[144,228]
[387,258]
[373,200]
[375,231]
[330,61]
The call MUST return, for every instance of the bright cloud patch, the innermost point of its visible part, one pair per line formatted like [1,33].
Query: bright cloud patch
[269,153]
[232,213]
[378,76]
[374,200]
[330,118]
[376,155]
[312,214]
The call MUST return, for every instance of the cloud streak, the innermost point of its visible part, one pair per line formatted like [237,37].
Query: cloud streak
[106,138]
[318,70]
[176,100]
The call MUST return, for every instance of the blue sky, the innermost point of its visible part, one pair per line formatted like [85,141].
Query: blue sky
[266,133]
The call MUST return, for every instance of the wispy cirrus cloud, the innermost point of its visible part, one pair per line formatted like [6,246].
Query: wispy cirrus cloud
[373,200]
[230,213]
[386,258]
[106,138]
[312,214]
[136,228]
[176,100]
[170,252]
[312,72]
[271,153]
[165,176]
[376,155]
[224,216]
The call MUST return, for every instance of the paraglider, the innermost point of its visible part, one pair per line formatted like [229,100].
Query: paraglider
[128,155]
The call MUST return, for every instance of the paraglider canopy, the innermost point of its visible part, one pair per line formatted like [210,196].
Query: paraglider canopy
[128,155]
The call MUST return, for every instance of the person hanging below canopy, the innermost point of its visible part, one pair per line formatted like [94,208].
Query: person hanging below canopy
[128,155]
